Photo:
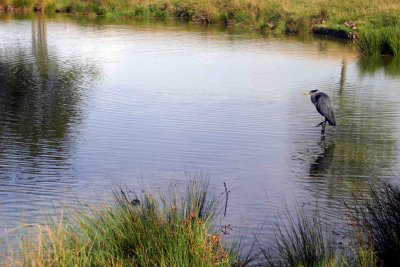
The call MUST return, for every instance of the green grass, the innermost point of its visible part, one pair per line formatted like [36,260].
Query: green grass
[371,42]
[392,37]
[303,240]
[164,230]
[381,41]
[299,242]
[176,229]
[23,3]
[378,218]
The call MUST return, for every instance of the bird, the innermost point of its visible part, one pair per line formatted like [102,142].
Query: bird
[324,106]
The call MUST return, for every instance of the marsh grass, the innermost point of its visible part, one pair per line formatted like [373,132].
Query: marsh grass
[298,241]
[384,41]
[392,37]
[304,240]
[171,229]
[177,228]
[371,42]
[378,218]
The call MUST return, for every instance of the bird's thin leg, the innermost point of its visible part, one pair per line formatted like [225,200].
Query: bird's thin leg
[322,124]
[323,129]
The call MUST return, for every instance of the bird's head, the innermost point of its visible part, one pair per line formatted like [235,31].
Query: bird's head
[312,92]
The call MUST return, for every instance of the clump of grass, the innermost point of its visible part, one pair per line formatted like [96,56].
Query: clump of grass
[383,41]
[371,42]
[378,217]
[392,37]
[365,256]
[302,240]
[298,242]
[173,229]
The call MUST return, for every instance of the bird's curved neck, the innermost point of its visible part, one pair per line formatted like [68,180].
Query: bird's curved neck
[314,98]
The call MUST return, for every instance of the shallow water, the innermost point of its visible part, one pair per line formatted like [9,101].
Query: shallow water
[88,104]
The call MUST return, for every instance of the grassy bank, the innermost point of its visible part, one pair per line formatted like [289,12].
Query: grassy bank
[177,230]
[170,230]
[375,21]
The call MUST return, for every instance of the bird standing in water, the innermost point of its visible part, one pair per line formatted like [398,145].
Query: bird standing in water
[324,107]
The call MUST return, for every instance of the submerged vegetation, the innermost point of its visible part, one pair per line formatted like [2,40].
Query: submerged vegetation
[176,229]
[376,22]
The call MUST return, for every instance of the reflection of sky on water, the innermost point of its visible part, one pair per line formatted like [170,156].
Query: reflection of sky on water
[169,100]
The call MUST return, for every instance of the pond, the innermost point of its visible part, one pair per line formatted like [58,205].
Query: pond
[88,104]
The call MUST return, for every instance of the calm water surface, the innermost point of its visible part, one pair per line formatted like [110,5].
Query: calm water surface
[90,104]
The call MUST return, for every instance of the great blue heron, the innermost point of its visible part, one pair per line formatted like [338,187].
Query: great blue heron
[324,107]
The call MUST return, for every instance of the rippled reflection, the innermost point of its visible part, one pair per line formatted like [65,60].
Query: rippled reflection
[371,64]
[323,162]
[40,102]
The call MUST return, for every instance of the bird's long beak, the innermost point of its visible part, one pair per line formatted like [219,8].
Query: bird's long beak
[306,93]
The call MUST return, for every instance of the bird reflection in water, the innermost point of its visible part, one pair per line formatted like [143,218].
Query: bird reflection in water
[323,162]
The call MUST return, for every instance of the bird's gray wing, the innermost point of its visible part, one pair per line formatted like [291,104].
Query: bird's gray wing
[325,108]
